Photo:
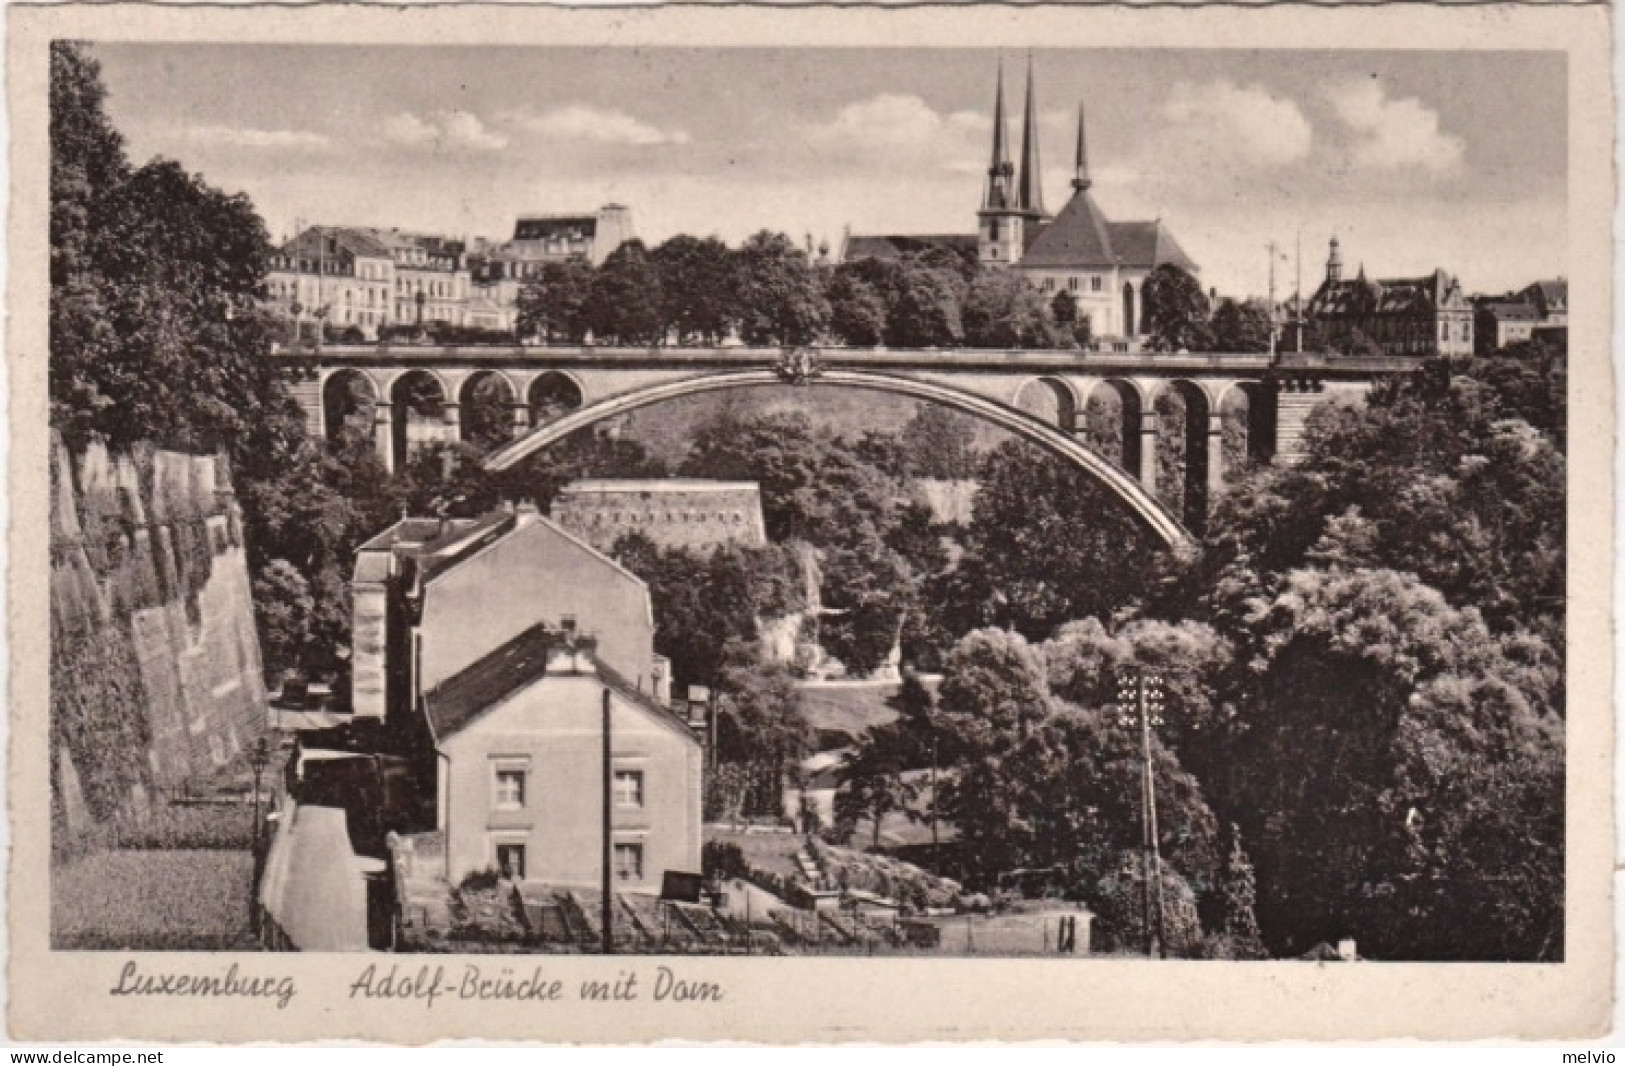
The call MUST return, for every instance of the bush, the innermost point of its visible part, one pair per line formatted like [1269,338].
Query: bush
[1118,901]
[480,881]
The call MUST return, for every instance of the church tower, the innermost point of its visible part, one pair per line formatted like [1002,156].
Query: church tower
[1030,178]
[999,240]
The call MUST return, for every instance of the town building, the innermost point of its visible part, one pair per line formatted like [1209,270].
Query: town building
[672,512]
[1423,316]
[501,270]
[1537,312]
[1502,321]
[498,639]
[347,276]
[1101,263]
[433,596]
[368,278]
[1550,299]
[519,735]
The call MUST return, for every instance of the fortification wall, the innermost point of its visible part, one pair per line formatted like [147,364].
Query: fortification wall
[156,680]
[673,514]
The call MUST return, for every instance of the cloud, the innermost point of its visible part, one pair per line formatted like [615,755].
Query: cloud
[443,129]
[1234,123]
[1390,134]
[237,137]
[892,126]
[580,122]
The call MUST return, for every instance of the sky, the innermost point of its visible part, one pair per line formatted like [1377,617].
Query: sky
[1415,160]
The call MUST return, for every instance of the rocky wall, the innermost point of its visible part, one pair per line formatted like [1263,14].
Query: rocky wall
[156,680]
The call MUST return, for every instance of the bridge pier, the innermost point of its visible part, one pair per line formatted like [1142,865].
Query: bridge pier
[520,418]
[383,433]
[452,413]
[1148,449]
[1215,454]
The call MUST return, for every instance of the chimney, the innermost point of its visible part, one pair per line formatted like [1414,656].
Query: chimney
[525,513]
[1346,950]
[699,698]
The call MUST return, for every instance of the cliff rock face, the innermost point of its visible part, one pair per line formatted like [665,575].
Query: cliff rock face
[156,679]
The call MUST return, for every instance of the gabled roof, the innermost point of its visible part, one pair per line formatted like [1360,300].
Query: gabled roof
[460,699]
[1550,294]
[1080,236]
[617,683]
[1148,244]
[487,681]
[355,241]
[1510,310]
[444,552]
[1385,296]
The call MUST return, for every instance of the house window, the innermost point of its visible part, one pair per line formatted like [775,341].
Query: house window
[629,788]
[1095,283]
[511,861]
[510,790]
[629,862]
[1072,284]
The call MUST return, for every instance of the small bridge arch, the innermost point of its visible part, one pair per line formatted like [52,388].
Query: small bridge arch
[1162,521]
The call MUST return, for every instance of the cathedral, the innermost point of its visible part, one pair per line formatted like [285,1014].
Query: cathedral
[1079,250]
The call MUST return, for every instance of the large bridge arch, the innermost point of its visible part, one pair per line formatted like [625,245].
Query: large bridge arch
[1158,518]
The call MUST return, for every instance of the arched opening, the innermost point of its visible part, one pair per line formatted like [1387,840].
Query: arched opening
[1247,413]
[1163,523]
[487,401]
[551,397]
[1182,459]
[1111,423]
[349,403]
[1050,400]
[417,415]
[1131,325]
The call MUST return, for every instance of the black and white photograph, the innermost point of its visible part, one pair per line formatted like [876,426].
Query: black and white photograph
[1027,502]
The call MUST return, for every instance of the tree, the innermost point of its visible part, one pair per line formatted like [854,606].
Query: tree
[1174,310]
[553,305]
[626,303]
[1032,562]
[871,784]
[709,605]
[857,309]
[1240,327]
[1433,799]
[1238,888]
[699,283]
[939,442]
[1003,310]
[814,488]
[1064,309]
[923,305]
[781,296]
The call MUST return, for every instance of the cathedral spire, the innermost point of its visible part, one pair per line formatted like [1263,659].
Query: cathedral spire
[1080,167]
[1030,190]
[1000,194]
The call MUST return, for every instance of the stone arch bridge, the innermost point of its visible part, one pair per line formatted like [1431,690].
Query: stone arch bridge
[1138,422]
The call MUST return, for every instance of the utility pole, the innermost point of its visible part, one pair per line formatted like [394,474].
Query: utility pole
[1274,251]
[608,912]
[1141,694]
[1297,298]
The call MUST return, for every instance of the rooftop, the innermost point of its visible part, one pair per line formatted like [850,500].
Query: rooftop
[655,485]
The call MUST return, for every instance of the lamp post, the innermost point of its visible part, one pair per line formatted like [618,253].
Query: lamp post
[259,757]
[1139,696]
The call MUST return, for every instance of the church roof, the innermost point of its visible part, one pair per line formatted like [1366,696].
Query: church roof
[1081,236]
[1148,244]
